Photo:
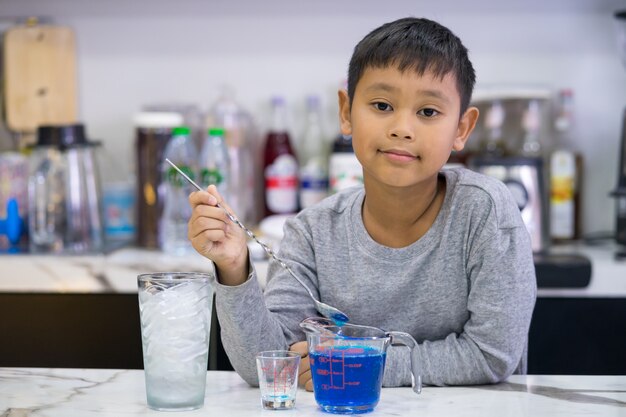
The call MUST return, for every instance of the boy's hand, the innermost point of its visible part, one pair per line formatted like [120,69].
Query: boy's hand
[216,237]
[304,377]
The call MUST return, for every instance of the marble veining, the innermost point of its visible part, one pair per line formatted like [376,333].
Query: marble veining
[30,392]
[111,273]
[587,396]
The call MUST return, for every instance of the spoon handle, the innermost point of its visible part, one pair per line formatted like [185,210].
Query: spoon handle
[235,220]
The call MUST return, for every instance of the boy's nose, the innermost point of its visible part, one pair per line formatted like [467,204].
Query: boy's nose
[401,134]
[401,127]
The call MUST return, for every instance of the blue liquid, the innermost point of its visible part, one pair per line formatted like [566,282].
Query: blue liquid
[347,379]
[340,319]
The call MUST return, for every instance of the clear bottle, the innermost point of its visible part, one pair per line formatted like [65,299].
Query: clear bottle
[493,144]
[280,165]
[214,165]
[565,174]
[244,152]
[531,122]
[345,170]
[47,212]
[176,210]
[313,157]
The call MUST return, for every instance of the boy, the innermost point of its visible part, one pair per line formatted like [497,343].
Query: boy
[442,255]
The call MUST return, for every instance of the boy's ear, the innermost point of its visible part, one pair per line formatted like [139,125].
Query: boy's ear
[466,126]
[344,112]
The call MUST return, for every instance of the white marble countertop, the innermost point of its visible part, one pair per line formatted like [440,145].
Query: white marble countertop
[117,272]
[26,392]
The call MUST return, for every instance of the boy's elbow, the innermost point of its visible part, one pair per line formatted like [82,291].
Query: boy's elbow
[251,380]
[254,383]
[497,369]
[249,375]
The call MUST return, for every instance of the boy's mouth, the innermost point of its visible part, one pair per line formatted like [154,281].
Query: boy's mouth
[399,155]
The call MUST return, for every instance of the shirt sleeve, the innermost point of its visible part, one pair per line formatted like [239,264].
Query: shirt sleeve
[253,321]
[500,304]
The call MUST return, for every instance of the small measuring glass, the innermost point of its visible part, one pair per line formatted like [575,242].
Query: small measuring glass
[348,362]
[278,378]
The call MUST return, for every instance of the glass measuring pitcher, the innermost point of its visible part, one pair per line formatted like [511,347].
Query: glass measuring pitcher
[348,362]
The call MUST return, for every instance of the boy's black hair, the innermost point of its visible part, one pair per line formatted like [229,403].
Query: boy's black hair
[414,44]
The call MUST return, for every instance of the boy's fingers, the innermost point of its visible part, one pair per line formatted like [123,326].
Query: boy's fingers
[309,385]
[202,211]
[304,378]
[202,198]
[299,347]
[210,197]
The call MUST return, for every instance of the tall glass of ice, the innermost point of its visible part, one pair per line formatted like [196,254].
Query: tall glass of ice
[175,311]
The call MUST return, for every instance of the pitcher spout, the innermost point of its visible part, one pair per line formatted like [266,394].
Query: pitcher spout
[317,325]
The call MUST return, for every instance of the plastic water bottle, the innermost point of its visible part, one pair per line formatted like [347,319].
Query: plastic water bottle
[245,194]
[313,157]
[176,210]
[214,162]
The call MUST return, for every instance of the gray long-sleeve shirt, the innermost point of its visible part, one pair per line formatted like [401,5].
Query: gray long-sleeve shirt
[465,290]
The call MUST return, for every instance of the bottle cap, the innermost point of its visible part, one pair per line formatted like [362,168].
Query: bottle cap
[278,100]
[312,101]
[181,130]
[216,131]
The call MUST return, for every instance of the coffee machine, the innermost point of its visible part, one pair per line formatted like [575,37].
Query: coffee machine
[524,177]
[509,149]
[620,192]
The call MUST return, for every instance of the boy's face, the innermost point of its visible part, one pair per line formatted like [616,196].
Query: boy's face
[404,125]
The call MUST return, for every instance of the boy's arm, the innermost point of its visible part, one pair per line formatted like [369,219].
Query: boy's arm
[494,339]
[252,322]
[247,327]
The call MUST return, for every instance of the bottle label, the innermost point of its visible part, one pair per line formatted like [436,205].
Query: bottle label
[345,171]
[313,182]
[562,188]
[281,184]
[177,180]
[210,176]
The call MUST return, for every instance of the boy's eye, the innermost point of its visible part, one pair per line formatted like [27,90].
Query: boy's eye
[428,112]
[382,106]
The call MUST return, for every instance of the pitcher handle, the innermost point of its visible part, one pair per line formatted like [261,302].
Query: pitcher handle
[405,339]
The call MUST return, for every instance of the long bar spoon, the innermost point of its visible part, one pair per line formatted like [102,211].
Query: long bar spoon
[324,309]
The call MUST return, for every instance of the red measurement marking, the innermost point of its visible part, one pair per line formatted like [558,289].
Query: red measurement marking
[280,378]
[339,372]
[354,365]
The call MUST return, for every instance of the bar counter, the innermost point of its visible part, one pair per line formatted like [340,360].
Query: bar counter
[39,392]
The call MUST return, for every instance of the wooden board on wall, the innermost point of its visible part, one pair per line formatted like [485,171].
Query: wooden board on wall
[39,77]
